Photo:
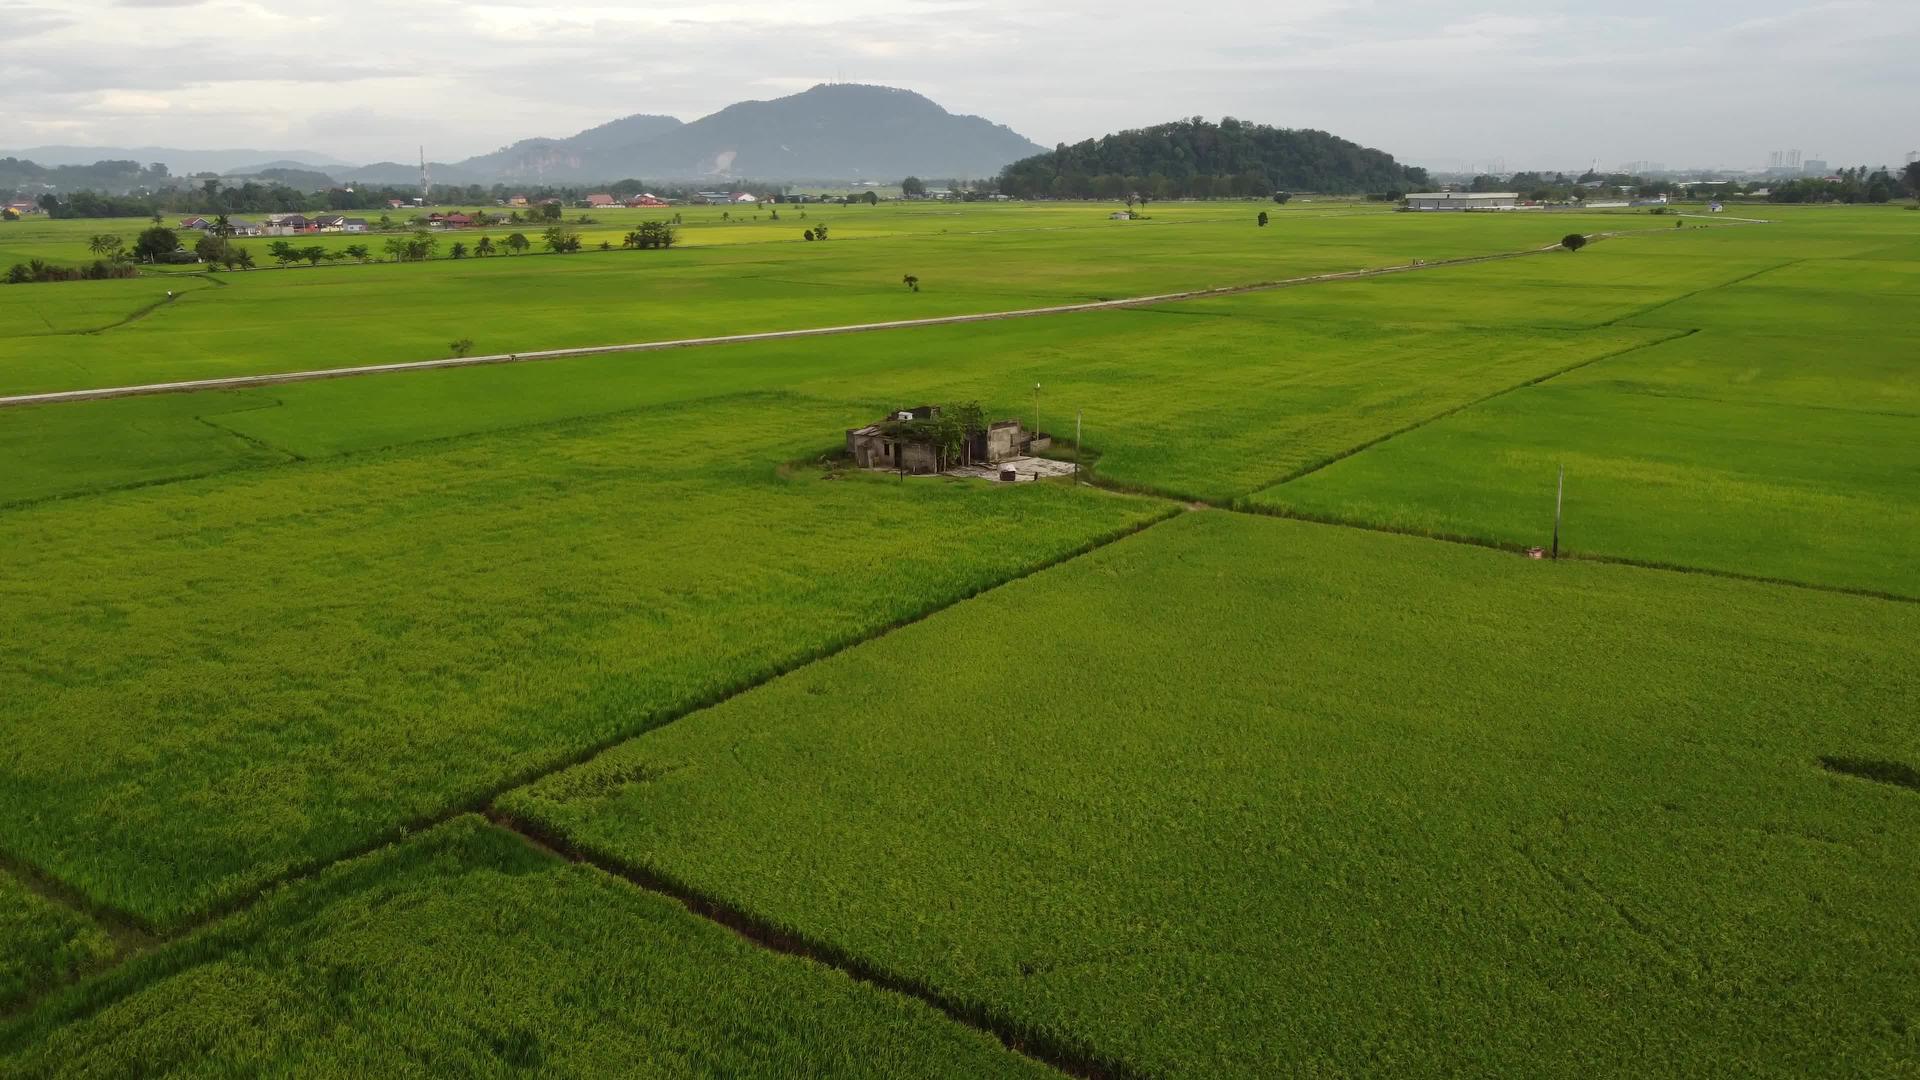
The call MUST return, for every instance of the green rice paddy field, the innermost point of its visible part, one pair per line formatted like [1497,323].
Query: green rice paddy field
[428,723]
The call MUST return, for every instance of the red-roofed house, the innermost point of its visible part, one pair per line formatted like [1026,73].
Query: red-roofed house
[449,221]
[646,200]
[600,199]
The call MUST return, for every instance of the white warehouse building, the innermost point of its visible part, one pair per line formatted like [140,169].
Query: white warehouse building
[1463,200]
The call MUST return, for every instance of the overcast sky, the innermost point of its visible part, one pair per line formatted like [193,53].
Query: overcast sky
[1448,83]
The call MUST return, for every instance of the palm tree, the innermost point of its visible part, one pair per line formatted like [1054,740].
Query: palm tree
[483,247]
[221,226]
[632,239]
[105,245]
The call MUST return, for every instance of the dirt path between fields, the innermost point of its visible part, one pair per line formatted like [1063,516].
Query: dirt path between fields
[235,382]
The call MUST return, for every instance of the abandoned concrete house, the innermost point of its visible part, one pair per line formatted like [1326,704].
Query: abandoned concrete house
[909,441]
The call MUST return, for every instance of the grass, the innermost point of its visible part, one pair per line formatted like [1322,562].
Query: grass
[42,942]
[209,685]
[1273,797]
[1199,406]
[992,259]
[466,952]
[1779,438]
[1231,797]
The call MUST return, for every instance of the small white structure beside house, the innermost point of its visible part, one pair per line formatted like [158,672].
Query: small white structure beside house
[1463,200]
[1120,215]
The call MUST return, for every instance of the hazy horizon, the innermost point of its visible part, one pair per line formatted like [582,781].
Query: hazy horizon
[1451,87]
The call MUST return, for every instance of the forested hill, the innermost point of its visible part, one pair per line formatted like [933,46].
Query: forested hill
[1198,158]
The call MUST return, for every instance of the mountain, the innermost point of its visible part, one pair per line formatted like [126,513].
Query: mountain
[1194,157]
[840,131]
[177,160]
[556,159]
[831,132]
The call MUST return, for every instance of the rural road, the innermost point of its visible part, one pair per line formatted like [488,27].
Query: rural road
[236,382]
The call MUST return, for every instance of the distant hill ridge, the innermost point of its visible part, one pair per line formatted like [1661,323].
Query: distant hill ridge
[832,131]
[1196,157]
[838,131]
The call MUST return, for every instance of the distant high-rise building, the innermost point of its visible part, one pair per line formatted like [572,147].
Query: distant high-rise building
[1814,167]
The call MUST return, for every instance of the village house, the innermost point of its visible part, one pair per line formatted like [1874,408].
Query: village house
[448,221]
[23,207]
[290,225]
[235,226]
[601,199]
[648,199]
[516,200]
[904,442]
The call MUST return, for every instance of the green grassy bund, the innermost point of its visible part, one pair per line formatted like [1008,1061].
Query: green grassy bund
[41,941]
[1275,798]
[465,952]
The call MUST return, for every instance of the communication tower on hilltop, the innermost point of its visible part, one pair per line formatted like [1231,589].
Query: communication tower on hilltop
[426,178]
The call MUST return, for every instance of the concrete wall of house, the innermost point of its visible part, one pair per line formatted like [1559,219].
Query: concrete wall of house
[919,458]
[1003,442]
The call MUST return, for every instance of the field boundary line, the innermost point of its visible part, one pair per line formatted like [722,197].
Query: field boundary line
[231,382]
[1334,459]
[765,933]
[1651,308]
[1516,547]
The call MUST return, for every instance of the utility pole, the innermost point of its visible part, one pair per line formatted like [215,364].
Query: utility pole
[1076,446]
[1036,410]
[1558,496]
[426,181]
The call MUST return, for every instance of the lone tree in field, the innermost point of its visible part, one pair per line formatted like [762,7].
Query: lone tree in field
[913,185]
[872,198]
[105,245]
[1573,241]
[1281,197]
[911,282]
[809,235]
[483,247]
[460,346]
[652,235]
[1263,219]
[154,243]
[516,243]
